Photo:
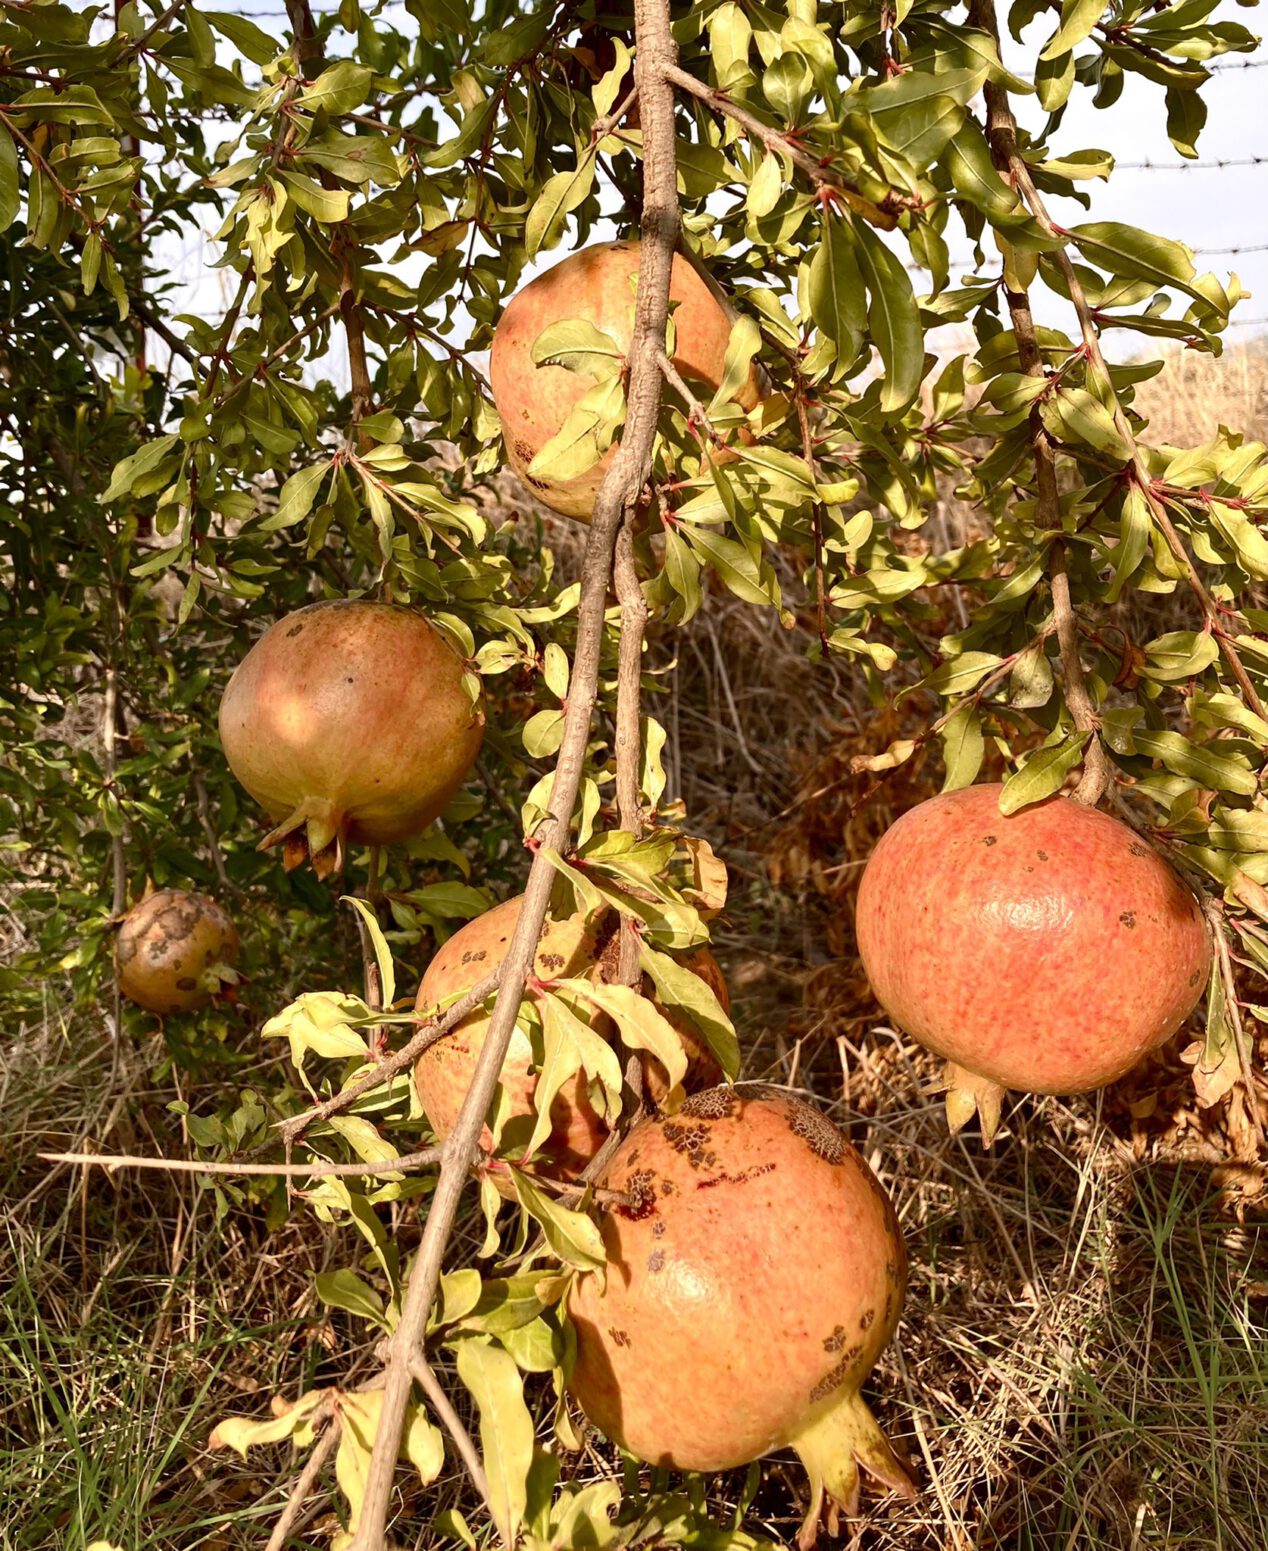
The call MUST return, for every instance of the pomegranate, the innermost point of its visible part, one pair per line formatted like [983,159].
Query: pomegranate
[754,1274]
[571,948]
[170,951]
[349,722]
[1048,951]
[596,285]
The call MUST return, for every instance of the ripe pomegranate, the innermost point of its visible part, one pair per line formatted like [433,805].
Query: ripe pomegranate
[571,948]
[1047,951]
[596,285]
[348,722]
[169,949]
[754,1275]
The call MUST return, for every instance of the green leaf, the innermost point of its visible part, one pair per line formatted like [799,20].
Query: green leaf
[1077,417]
[245,36]
[641,1024]
[129,470]
[1181,654]
[893,318]
[679,988]
[1043,773]
[1203,763]
[836,293]
[329,205]
[338,89]
[569,1045]
[1078,18]
[575,343]
[962,748]
[345,1290]
[1135,526]
[560,195]
[571,1235]
[766,187]
[506,1429]
[958,675]
[1186,118]
[743,343]
[296,498]
[1126,250]
[382,953]
[9,197]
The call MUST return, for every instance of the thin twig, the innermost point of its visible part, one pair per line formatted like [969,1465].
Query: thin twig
[628,740]
[202,803]
[109,734]
[422,1159]
[816,511]
[304,1483]
[619,491]
[1001,133]
[388,1066]
[695,409]
[453,1424]
[816,167]
[1213,909]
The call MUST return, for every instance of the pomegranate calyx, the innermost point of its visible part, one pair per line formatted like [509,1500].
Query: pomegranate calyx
[969,1095]
[313,830]
[841,1438]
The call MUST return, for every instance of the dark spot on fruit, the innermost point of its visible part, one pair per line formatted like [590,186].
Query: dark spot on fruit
[1137,849]
[835,1376]
[537,484]
[655,1260]
[836,1340]
[712,1104]
[186,983]
[1128,918]
[552,961]
[1195,977]
[735,1179]
[691,1142]
[818,1132]
[869,1315]
[1042,855]
[640,1190]
[350,680]
[667,1187]
[523,450]
[988,840]
[889,1306]
[293,631]
[619,1337]
[658,1227]
[891,1270]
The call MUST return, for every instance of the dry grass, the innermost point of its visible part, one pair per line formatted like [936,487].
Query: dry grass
[1082,1362]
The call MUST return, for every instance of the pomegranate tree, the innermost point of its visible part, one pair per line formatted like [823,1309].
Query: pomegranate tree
[571,948]
[171,950]
[755,1272]
[1048,950]
[349,722]
[595,285]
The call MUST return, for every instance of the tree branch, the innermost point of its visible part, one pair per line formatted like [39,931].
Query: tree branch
[304,1484]
[629,741]
[422,1159]
[620,490]
[425,1377]
[817,168]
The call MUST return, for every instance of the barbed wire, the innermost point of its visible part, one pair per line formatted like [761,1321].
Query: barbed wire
[1218,164]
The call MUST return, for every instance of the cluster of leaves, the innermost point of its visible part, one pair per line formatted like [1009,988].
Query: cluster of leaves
[377,188]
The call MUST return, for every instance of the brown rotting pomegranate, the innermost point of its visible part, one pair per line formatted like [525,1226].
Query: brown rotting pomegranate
[170,950]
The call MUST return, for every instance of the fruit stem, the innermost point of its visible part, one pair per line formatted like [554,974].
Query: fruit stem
[841,1438]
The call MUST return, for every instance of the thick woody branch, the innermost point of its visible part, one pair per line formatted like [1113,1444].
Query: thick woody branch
[817,168]
[618,494]
[983,15]
[1001,133]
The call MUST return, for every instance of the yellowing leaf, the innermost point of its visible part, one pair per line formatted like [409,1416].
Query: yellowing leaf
[241,1433]
[506,1429]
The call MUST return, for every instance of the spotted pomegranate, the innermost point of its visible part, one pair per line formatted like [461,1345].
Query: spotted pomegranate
[349,722]
[596,285]
[1047,951]
[571,948]
[755,1272]
[172,949]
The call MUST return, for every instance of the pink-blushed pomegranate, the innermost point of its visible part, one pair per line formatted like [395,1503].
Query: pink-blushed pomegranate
[754,1274]
[349,722]
[575,947]
[171,950]
[1048,951]
[596,285]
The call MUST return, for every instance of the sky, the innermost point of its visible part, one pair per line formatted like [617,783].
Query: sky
[1208,206]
